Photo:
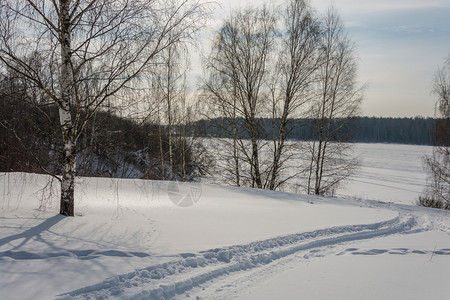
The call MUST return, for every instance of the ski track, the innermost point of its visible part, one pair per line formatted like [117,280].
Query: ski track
[189,270]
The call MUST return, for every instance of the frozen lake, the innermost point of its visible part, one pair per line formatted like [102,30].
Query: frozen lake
[388,172]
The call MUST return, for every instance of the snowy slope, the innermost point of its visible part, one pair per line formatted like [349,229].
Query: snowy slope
[148,239]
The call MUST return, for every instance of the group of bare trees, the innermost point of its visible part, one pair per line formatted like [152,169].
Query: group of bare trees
[283,65]
[74,60]
[438,164]
[80,55]
[172,106]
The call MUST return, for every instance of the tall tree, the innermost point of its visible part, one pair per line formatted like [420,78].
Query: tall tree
[337,102]
[291,86]
[169,87]
[438,164]
[89,52]
[238,70]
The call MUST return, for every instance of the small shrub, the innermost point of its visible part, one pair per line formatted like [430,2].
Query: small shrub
[429,201]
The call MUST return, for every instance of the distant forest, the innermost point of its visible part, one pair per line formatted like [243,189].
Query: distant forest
[417,131]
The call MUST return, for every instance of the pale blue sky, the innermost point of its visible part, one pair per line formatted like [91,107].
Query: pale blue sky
[400,44]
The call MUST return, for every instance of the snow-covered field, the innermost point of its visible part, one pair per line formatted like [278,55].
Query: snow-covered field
[147,239]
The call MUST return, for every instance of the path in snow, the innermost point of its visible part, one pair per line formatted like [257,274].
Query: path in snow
[194,269]
[365,269]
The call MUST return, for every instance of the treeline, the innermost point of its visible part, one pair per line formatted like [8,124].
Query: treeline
[416,131]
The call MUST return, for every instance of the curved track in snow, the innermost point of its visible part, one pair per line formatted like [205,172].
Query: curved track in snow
[190,270]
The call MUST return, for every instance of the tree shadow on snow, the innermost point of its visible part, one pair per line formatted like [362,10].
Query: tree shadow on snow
[36,232]
[33,231]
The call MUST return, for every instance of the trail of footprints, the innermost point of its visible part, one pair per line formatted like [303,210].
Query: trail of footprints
[395,251]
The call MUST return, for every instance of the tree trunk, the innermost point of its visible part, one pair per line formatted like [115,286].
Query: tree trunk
[235,138]
[318,159]
[169,99]
[279,145]
[256,174]
[183,142]
[169,126]
[69,155]
[161,152]
[68,178]
[311,167]
[160,140]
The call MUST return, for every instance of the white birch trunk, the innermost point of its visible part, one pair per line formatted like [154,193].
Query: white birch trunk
[69,155]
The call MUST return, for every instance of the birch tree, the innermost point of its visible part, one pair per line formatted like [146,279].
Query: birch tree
[338,99]
[291,86]
[79,42]
[284,66]
[438,164]
[170,90]
[237,73]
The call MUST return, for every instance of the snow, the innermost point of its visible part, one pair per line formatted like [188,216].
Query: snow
[149,239]
[400,266]
[377,269]
[388,172]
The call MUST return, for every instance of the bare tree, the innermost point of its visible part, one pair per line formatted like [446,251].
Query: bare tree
[291,85]
[438,164]
[79,42]
[170,82]
[175,113]
[338,100]
[238,67]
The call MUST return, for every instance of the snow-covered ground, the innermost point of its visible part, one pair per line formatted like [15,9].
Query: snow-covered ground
[148,239]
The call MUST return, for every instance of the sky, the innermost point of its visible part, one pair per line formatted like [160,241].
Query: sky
[399,44]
